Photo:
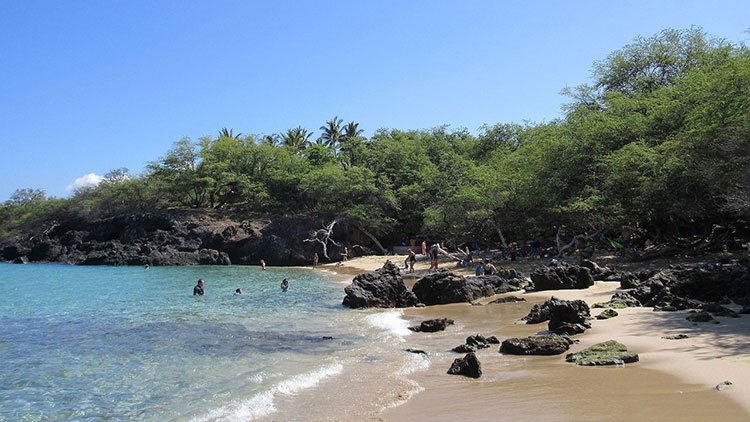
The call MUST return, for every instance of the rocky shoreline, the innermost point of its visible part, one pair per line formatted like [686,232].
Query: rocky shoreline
[713,289]
[697,355]
[170,238]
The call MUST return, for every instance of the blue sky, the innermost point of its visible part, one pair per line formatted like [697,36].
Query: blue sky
[86,87]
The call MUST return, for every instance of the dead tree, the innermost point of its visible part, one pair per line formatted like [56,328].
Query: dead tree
[323,236]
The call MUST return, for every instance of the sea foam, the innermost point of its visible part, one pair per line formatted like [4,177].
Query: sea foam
[391,322]
[262,404]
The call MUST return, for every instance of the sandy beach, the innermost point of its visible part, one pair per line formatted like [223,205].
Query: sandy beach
[674,380]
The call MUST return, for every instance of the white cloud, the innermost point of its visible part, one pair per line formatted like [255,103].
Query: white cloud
[85,181]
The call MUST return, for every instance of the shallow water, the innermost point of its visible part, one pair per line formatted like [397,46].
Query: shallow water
[128,343]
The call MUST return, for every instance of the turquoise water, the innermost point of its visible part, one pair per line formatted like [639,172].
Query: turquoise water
[128,343]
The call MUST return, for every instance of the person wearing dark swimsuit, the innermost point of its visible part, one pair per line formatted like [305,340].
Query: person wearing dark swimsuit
[198,289]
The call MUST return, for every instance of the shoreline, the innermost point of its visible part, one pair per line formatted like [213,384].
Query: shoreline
[691,367]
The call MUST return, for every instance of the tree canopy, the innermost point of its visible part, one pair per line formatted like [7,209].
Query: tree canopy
[660,139]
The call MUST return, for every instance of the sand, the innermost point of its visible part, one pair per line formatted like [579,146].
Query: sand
[674,380]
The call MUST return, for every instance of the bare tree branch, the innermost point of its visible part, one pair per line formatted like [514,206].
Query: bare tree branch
[323,236]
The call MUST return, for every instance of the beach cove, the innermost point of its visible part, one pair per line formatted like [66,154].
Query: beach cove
[674,380]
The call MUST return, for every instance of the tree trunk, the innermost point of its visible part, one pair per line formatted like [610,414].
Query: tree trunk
[502,238]
[373,238]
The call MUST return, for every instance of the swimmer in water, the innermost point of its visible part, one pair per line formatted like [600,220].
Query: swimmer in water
[238,292]
[198,289]
[284,285]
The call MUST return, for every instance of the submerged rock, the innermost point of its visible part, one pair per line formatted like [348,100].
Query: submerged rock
[416,351]
[468,366]
[607,353]
[432,325]
[383,288]
[547,344]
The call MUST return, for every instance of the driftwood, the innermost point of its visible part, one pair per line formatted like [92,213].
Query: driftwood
[576,238]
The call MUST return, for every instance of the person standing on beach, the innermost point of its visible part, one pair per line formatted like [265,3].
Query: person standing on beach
[263,265]
[434,257]
[424,248]
[345,254]
[198,289]
[315,259]
[411,259]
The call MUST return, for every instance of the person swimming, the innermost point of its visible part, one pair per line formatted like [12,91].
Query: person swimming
[198,289]
[238,292]
[284,285]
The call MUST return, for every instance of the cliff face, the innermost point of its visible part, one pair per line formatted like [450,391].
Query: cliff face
[170,238]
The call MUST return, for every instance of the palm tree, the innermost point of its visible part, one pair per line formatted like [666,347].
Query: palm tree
[297,138]
[332,132]
[228,133]
[270,140]
[352,130]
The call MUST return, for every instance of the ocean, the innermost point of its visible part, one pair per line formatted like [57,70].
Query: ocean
[129,343]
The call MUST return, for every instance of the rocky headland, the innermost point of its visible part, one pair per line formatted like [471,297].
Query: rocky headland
[171,238]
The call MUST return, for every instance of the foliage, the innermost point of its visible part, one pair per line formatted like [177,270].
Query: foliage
[660,139]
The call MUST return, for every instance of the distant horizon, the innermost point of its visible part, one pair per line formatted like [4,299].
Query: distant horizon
[94,87]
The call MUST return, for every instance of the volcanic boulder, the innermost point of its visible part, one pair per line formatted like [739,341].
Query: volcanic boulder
[560,275]
[548,344]
[448,287]
[383,288]
[468,366]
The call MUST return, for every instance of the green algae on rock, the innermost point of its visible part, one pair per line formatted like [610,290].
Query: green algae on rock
[701,316]
[607,314]
[607,353]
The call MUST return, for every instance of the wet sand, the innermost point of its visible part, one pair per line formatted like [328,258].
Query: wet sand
[674,380]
